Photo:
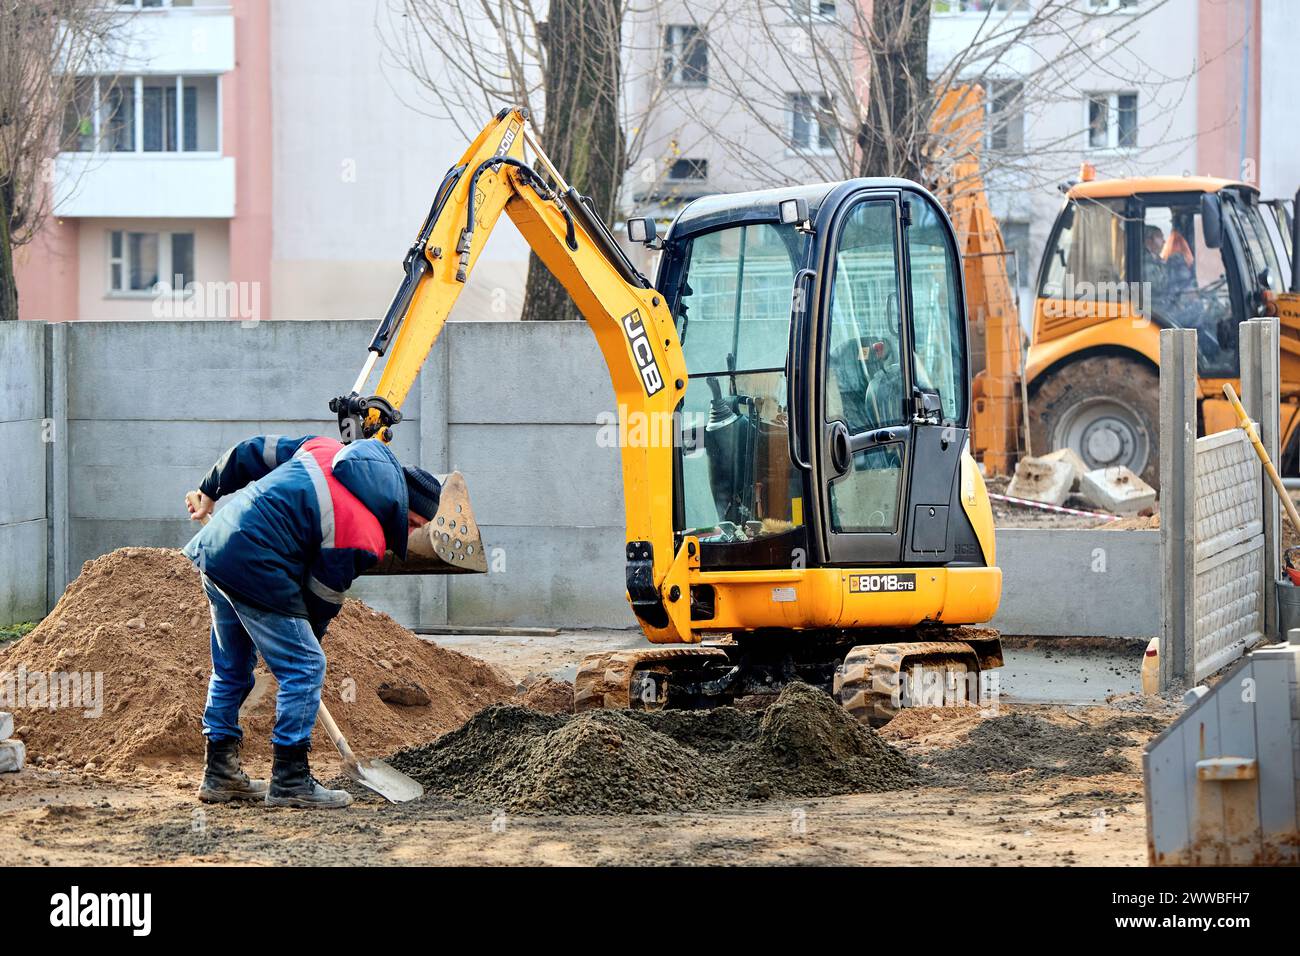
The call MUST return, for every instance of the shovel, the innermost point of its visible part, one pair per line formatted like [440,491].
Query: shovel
[387,781]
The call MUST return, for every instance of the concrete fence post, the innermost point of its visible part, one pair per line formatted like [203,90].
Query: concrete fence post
[56,462]
[1260,394]
[1178,504]
[435,456]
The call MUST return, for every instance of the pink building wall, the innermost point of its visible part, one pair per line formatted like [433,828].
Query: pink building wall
[1223,42]
[246,135]
[48,268]
[47,272]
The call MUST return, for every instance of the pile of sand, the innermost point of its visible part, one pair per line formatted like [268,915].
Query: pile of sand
[139,618]
[547,695]
[597,762]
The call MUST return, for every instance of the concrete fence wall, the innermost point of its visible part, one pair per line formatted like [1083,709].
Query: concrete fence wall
[24,527]
[1084,583]
[1218,529]
[141,410]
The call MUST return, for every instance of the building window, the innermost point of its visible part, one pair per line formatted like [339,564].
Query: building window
[689,170]
[1111,6]
[1112,120]
[1006,115]
[812,122]
[144,114]
[153,4]
[139,261]
[812,9]
[686,56]
[941,7]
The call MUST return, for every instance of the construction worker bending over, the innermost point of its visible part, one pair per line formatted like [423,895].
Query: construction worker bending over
[305,517]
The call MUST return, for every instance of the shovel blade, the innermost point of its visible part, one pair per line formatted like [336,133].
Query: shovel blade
[389,782]
[449,544]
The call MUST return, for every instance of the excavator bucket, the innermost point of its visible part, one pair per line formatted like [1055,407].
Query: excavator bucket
[449,544]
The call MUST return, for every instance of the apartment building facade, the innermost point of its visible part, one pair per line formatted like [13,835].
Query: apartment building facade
[269,159]
[247,159]
[165,183]
[1140,88]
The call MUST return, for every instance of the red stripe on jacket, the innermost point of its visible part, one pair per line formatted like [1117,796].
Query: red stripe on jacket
[354,525]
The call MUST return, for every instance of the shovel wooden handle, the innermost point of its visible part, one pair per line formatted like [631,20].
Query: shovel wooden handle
[336,735]
[1246,425]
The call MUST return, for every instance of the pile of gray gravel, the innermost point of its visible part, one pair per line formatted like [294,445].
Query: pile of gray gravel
[611,762]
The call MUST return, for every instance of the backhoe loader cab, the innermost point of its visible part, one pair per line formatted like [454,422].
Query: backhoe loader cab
[817,516]
[1126,258]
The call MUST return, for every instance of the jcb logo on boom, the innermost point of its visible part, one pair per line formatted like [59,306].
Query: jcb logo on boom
[651,377]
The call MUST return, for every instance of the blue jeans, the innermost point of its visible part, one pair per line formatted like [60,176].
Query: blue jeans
[291,652]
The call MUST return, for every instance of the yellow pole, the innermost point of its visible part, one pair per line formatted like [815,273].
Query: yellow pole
[1243,420]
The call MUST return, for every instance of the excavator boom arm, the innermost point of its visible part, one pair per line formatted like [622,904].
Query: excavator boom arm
[632,324]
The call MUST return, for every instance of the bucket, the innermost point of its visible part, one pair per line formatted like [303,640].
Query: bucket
[1288,608]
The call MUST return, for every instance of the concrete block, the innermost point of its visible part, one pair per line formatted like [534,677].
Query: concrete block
[6,725]
[1041,479]
[13,754]
[1117,490]
[1077,464]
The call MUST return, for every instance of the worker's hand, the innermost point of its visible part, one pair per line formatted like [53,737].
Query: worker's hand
[200,505]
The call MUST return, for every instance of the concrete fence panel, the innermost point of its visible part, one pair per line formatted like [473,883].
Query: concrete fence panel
[1217,525]
[25,439]
[521,409]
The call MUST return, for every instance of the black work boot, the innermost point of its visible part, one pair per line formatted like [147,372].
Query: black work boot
[223,780]
[292,784]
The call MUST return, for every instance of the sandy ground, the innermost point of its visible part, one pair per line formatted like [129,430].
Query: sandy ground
[55,819]
[49,817]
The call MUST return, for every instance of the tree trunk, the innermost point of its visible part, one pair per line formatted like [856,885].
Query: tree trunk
[582,134]
[893,137]
[8,281]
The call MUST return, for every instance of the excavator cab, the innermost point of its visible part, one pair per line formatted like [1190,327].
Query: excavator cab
[826,412]
[817,515]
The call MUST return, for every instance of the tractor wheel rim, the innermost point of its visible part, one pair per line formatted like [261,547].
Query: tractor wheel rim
[1106,433]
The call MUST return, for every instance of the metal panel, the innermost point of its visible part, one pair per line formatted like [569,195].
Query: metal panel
[1168,812]
[1204,804]
[1247,722]
[1275,702]
[1240,798]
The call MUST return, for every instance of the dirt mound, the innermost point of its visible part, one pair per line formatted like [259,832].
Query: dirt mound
[138,618]
[600,762]
[1022,742]
[546,695]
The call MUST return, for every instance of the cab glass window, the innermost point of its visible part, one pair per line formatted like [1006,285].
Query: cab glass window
[733,317]
[733,306]
[938,343]
[864,365]
[865,373]
[1086,259]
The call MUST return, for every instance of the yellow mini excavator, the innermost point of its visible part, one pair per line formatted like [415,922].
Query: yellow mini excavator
[811,510]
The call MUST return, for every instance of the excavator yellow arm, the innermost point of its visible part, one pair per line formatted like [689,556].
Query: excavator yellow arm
[632,324]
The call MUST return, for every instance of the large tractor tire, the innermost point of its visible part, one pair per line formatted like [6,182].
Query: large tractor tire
[1107,408]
